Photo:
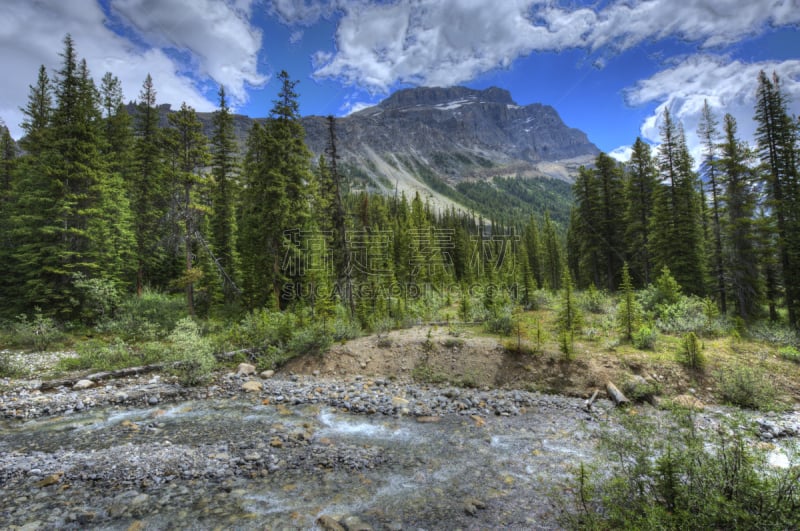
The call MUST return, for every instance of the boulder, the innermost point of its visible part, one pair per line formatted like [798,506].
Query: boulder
[267,374]
[83,384]
[245,369]
[688,402]
[328,523]
[252,386]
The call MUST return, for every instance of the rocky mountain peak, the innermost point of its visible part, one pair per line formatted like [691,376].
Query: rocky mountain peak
[442,96]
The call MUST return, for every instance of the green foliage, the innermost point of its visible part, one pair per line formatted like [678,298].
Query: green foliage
[667,289]
[774,333]
[594,300]
[691,353]
[117,354]
[569,319]
[100,298]
[502,323]
[790,353]
[628,310]
[746,387]
[677,477]
[192,353]
[641,390]
[36,333]
[645,338]
[148,317]
[425,373]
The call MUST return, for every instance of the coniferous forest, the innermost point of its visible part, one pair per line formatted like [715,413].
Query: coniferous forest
[140,239]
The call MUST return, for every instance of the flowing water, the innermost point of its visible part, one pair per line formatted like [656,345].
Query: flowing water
[240,464]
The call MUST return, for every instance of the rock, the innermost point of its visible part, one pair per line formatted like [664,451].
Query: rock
[79,406]
[354,523]
[137,525]
[245,369]
[140,499]
[688,402]
[328,523]
[153,400]
[83,384]
[472,505]
[253,456]
[428,419]
[276,442]
[52,479]
[252,386]
[399,402]
[268,374]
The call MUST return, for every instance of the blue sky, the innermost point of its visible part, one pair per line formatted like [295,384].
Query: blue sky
[609,67]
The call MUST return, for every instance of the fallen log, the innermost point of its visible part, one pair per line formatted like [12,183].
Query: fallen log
[590,401]
[616,395]
[105,375]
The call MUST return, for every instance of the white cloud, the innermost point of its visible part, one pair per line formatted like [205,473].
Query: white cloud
[446,42]
[217,34]
[352,107]
[728,86]
[621,153]
[303,12]
[32,33]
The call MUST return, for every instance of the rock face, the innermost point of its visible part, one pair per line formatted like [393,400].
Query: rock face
[455,128]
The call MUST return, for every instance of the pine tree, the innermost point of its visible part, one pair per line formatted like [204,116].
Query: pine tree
[8,163]
[628,312]
[736,177]
[277,168]
[569,320]
[552,254]
[709,135]
[676,225]
[777,140]
[225,171]
[188,153]
[640,187]
[149,193]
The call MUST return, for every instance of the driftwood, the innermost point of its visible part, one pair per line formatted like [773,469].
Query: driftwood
[616,395]
[590,401]
[98,376]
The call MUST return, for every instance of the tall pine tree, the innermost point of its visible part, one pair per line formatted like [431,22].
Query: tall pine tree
[640,187]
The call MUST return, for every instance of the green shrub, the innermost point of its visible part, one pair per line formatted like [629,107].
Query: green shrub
[679,477]
[687,314]
[790,353]
[645,338]
[100,298]
[502,324]
[775,334]
[453,342]
[640,390]
[594,301]
[192,354]
[8,368]
[311,339]
[149,317]
[37,333]
[746,387]
[691,353]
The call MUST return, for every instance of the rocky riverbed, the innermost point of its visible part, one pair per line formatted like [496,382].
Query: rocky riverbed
[295,452]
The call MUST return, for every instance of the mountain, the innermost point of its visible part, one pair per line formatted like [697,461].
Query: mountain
[442,141]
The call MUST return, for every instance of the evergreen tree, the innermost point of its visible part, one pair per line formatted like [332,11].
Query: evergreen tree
[8,163]
[552,254]
[742,275]
[150,194]
[709,135]
[628,312]
[640,187]
[533,251]
[225,171]
[188,153]
[676,225]
[777,139]
[569,320]
[277,169]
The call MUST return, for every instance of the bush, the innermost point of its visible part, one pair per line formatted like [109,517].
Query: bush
[691,353]
[100,298]
[676,477]
[746,387]
[790,353]
[192,353]
[645,338]
[37,333]
[775,334]
[502,324]
[149,317]
[640,390]
[594,301]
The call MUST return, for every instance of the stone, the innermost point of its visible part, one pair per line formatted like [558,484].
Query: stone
[688,402]
[328,523]
[52,479]
[245,369]
[354,523]
[153,400]
[252,386]
[83,384]
[276,442]
[399,402]
[267,374]
[428,419]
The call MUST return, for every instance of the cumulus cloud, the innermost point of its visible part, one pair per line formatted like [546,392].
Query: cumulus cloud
[303,12]
[217,34]
[621,153]
[728,86]
[31,34]
[446,42]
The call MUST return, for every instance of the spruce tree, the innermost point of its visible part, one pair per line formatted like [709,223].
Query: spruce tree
[188,154]
[777,139]
[640,187]
[150,194]
[8,163]
[552,254]
[277,168]
[225,171]
[628,311]
[739,234]
[709,136]
[676,225]
[569,320]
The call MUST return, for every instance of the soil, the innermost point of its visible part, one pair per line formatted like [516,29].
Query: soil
[472,359]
